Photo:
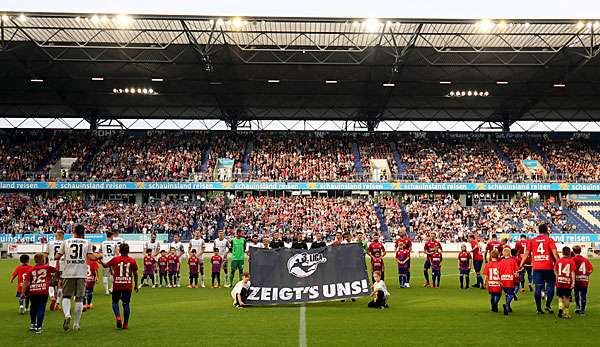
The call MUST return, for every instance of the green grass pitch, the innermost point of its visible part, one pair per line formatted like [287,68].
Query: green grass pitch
[205,317]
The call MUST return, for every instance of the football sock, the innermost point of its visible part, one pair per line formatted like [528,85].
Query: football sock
[66,306]
[51,292]
[408,277]
[78,311]
[462,281]
[509,298]
[538,296]
[467,279]
[115,307]
[126,312]
[59,296]
[105,283]
[21,301]
[90,296]
[549,295]
[426,274]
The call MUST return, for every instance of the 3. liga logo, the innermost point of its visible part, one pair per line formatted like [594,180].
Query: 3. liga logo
[304,264]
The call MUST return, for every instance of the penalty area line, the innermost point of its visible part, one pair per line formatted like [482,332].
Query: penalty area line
[302,327]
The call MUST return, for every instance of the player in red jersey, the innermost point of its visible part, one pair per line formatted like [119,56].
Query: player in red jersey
[216,261]
[407,242]
[521,247]
[194,269]
[37,283]
[163,263]
[464,266]
[403,259]
[149,268]
[508,267]
[543,255]
[477,261]
[504,244]
[429,248]
[493,244]
[491,280]
[376,246]
[90,281]
[583,270]
[565,281]
[377,265]
[173,268]
[517,276]
[125,279]
[19,273]
[436,267]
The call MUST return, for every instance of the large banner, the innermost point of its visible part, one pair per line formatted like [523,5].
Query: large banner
[288,276]
[401,186]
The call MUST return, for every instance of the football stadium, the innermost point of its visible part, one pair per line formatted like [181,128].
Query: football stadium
[302,177]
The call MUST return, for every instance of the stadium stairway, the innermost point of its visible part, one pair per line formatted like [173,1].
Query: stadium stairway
[51,158]
[205,157]
[589,215]
[583,225]
[382,223]
[357,165]
[500,153]
[401,166]
[536,208]
[246,159]
[406,221]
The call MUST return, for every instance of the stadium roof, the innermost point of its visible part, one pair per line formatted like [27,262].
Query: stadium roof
[55,65]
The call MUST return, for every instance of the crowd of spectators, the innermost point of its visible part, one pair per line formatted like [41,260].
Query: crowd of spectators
[451,159]
[264,215]
[444,216]
[573,160]
[377,147]
[22,155]
[301,157]
[226,147]
[294,156]
[39,214]
[153,157]
[453,222]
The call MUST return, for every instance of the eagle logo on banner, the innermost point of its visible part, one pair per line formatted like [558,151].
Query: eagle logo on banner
[304,264]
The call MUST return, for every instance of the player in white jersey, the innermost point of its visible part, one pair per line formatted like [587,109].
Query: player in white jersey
[108,249]
[197,244]
[55,290]
[154,246]
[223,245]
[179,252]
[75,252]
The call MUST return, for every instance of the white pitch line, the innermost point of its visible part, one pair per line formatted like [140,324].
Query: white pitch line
[302,327]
